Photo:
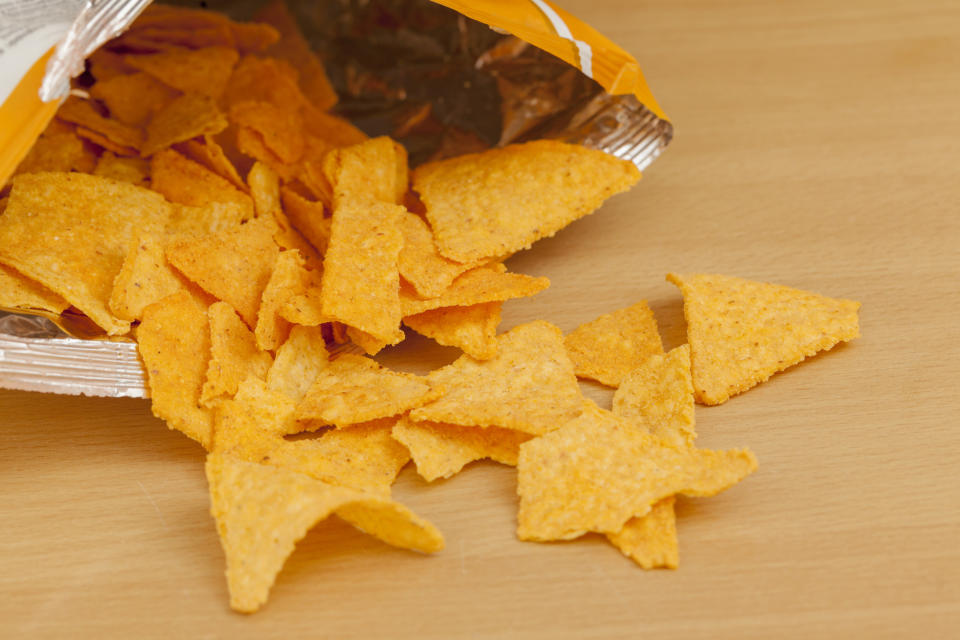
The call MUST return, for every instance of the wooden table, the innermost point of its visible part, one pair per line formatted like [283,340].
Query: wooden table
[817,146]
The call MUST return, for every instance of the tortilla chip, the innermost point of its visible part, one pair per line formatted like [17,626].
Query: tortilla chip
[360,277]
[354,389]
[58,152]
[363,457]
[263,80]
[651,540]
[375,168]
[370,345]
[262,511]
[293,48]
[264,186]
[441,450]
[528,386]
[658,397]
[233,266]
[613,345]
[20,292]
[184,117]
[104,64]
[201,71]
[206,151]
[210,218]
[298,363]
[184,181]
[483,284]
[281,129]
[472,329]
[174,342]
[421,264]
[307,308]
[133,170]
[84,114]
[289,238]
[250,143]
[71,232]
[234,356]
[516,195]
[314,180]
[105,143]
[742,332]
[133,98]
[308,218]
[289,278]
[330,129]
[597,471]
[144,278]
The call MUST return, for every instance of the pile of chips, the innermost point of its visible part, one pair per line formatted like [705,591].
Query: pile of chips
[201,198]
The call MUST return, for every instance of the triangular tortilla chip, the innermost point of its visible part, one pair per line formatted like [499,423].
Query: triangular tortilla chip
[262,511]
[516,195]
[204,71]
[354,389]
[421,264]
[233,266]
[174,342]
[299,360]
[360,276]
[528,386]
[598,471]
[742,332]
[71,232]
[251,427]
[144,278]
[608,348]
[375,168]
[651,540]
[484,284]
[210,154]
[472,329]
[234,356]
[441,450]
[184,181]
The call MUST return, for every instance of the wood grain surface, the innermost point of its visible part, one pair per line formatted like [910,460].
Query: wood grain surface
[817,145]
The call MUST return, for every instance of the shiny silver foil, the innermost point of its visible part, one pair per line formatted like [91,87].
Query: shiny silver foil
[440,83]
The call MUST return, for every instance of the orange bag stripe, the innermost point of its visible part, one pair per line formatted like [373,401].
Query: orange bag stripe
[24,117]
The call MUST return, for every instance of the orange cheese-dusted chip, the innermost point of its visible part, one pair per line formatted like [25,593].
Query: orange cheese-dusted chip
[133,98]
[289,278]
[354,389]
[375,168]
[208,152]
[483,284]
[262,511]
[288,237]
[184,181]
[264,184]
[211,218]
[293,48]
[608,348]
[144,278]
[528,386]
[369,344]
[651,540]
[71,232]
[58,152]
[329,129]
[364,457]
[472,329]
[500,201]
[441,450]
[360,277]
[203,71]
[174,342]
[233,266]
[251,144]
[742,332]
[421,265]
[306,308]
[658,397]
[133,170]
[263,80]
[598,471]
[280,129]
[184,117]
[307,217]
[298,363]
[20,292]
[84,114]
[234,356]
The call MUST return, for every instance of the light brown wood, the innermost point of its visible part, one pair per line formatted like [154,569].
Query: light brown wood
[817,146]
